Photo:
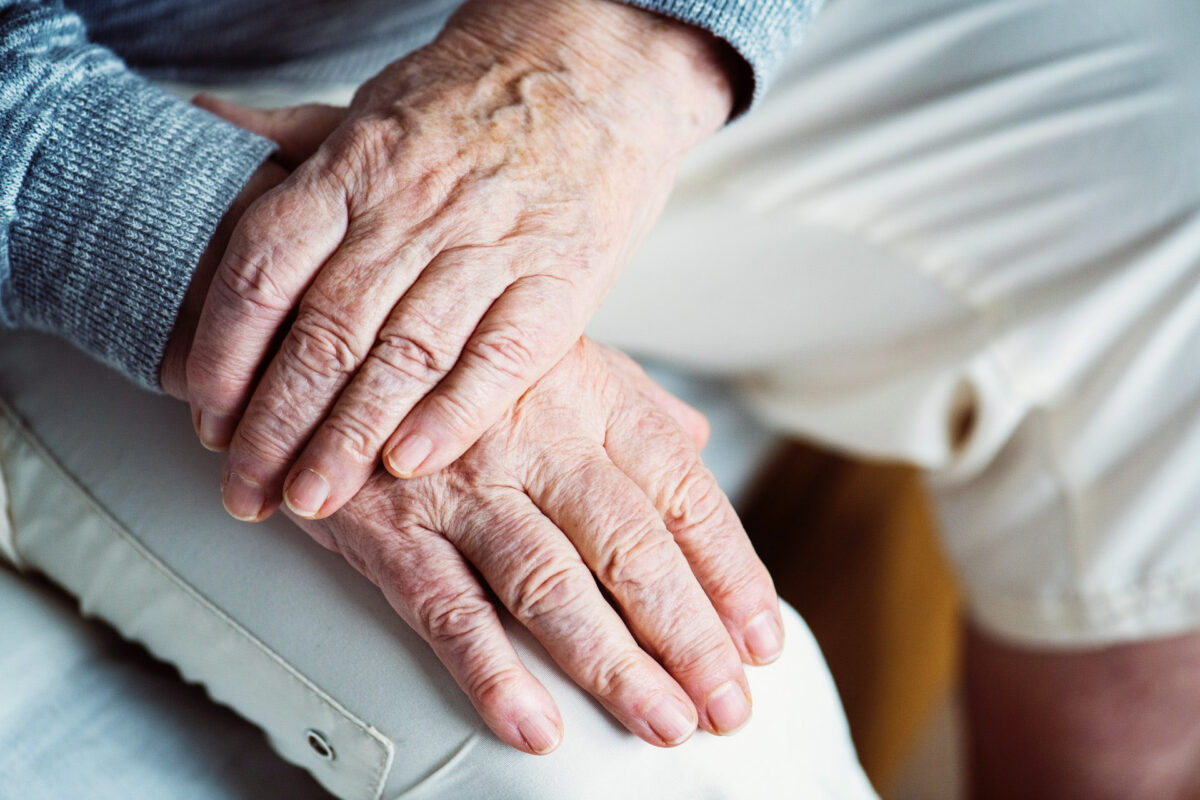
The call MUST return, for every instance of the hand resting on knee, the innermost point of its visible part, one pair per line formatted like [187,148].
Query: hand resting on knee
[591,484]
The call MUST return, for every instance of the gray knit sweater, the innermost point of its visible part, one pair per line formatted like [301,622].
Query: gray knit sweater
[110,188]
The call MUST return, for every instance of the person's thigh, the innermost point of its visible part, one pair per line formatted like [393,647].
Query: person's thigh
[85,715]
[109,495]
[966,234]
[1116,723]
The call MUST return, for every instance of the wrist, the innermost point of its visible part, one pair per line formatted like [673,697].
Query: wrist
[632,62]
[173,372]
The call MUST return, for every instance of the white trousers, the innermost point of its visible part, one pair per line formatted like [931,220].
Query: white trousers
[109,496]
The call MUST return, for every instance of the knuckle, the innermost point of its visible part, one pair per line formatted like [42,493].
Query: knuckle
[697,426]
[368,139]
[431,191]
[262,442]
[369,147]
[454,617]
[494,686]
[609,675]
[391,532]
[245,278]
[210,381]
[452,409]
[376,133]
[505,352]
[411,357]
[323,346]
[640,557]
[704,522]
[362,563]
[550,587]
[741,589]
[700,654]
[354,434]
[696,501]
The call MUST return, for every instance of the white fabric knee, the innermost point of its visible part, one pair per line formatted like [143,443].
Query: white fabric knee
[109,495]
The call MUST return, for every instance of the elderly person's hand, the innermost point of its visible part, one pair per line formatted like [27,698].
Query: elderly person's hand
[445,246]
[586,476]
[594,474]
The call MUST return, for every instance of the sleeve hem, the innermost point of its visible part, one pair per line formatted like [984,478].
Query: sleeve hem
[760,31]
[119,202]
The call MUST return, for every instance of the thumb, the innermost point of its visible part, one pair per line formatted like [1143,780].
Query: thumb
[298,130]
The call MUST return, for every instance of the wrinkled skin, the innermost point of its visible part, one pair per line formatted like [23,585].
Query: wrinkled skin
[444,246]
[595,471]
[586,475]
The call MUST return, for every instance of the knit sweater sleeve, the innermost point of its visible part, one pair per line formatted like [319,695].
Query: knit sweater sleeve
[109,191]
[760,31]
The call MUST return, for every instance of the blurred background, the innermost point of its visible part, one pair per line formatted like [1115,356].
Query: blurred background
[852,546]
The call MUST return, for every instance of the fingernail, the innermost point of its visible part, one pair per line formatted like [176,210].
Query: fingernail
[215,430]
[307,493]
[243,498]
[539,733]
[670,720]
[728,708]
[763,637]
[406,457]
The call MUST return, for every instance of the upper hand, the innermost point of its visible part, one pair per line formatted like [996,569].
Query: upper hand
[444,246]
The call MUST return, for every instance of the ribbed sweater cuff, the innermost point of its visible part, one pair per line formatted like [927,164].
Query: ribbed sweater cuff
[119,202]
[761,31]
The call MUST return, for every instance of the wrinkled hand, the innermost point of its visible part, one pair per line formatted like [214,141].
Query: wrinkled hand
[444,246]
[586,475]
[595,471]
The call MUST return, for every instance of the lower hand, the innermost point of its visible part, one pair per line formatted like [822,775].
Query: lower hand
[594,472]
[586,479]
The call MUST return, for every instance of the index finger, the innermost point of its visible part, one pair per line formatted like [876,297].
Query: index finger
[528,329]
[277,247]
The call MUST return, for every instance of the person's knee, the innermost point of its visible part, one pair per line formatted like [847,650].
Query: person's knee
[1117,723]
[796,745]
